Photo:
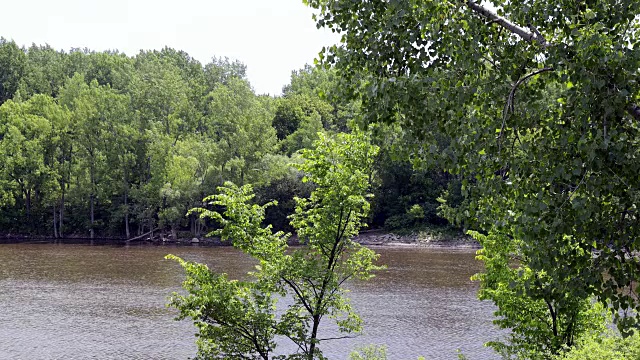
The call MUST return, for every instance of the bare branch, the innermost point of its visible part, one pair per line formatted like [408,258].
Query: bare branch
[530,36]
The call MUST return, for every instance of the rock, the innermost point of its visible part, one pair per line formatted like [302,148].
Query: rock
[195,240]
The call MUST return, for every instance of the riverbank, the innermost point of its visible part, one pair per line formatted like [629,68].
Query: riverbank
[417,238]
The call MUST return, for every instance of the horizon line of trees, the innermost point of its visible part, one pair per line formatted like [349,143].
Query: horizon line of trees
[101,144]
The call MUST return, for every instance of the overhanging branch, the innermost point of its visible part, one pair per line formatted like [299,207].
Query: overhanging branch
[532,36]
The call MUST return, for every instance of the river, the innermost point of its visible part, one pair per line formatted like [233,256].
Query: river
[64,301]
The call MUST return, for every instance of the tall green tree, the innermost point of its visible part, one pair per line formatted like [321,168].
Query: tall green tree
[240,123]
[13,65]
[44,73]
[238,319]
[222,70]
[102,133]
[28,145]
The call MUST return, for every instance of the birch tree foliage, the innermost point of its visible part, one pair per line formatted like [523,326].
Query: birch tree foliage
[238,319]
[539,101]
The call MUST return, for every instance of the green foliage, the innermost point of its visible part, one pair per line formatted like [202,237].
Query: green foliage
[231,314]
[607,346]
[31,134]
[370,352]
[13,63]
[539,106]
[133,143]
[143,138]
[544,320]
[405,196]
[234,319]
[293,110]
[283,190]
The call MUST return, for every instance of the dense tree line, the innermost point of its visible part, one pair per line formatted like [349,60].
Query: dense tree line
[105,144]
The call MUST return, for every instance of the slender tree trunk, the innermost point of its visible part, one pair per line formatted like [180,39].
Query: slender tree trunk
[63,186]
[55,220]
[92,195]
[92,216]
[61,217]
[126,213]
[334,254]
[27,195]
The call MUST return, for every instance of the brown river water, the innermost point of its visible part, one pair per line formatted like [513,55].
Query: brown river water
[64,301]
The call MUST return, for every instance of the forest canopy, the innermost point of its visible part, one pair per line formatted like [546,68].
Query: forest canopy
[101,144]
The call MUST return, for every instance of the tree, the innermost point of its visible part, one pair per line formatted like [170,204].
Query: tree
[102,132]
[44,72]
[542,319]
[240,123]
[238,319]
[109,68]
[25,147]
[318,88]
[13,64]
[292,110]
[304,136]
[142,139]
[539,101]
[222,70]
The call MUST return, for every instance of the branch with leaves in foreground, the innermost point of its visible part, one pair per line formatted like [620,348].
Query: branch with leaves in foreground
[531,35]
[238,319]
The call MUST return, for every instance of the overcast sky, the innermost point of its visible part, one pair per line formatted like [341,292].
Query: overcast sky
[272,37]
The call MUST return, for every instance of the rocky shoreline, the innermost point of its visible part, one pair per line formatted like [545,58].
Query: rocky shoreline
[418,239]
[371,238]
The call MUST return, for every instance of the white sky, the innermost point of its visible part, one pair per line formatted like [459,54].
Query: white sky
[272,37]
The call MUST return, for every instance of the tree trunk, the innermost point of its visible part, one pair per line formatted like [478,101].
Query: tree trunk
[27,195]
[63,186]
[55,220]
[61,217]
[92,195]
[92,216]
[126,213]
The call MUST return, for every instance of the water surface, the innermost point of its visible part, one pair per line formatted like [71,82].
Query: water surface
[62,301]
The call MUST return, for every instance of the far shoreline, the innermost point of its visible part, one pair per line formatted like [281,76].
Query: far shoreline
[370,238]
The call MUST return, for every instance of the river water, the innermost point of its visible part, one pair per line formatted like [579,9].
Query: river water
[63,301]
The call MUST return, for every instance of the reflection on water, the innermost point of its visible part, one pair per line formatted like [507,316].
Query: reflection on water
[108,302]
